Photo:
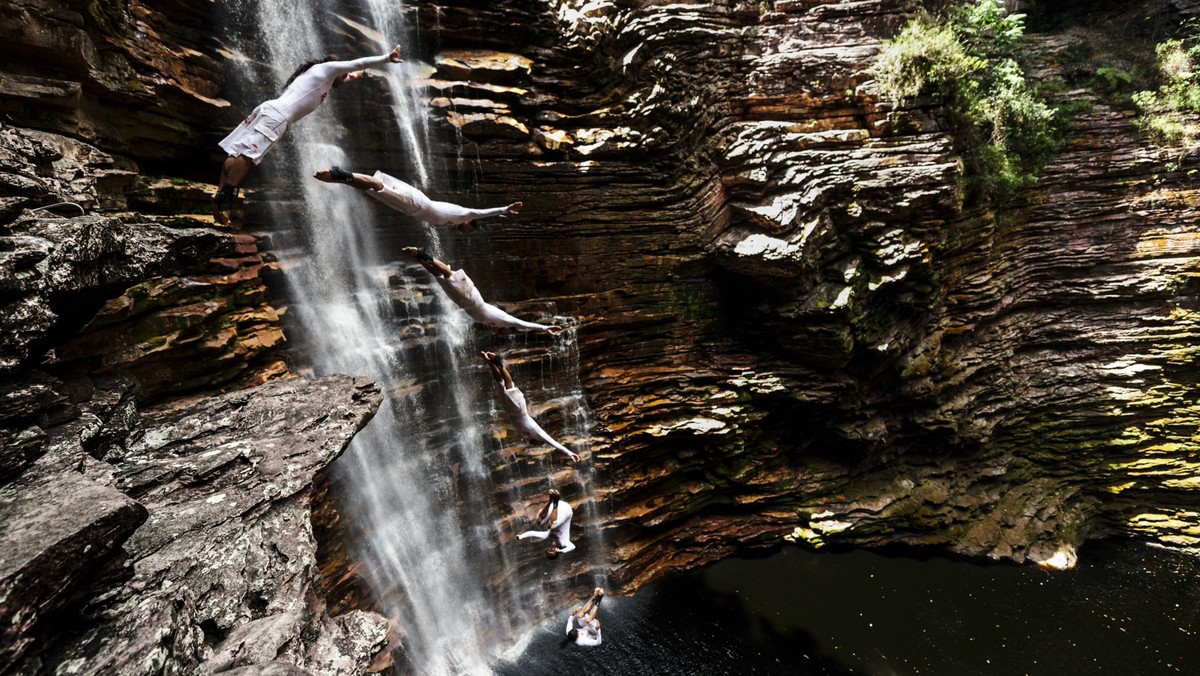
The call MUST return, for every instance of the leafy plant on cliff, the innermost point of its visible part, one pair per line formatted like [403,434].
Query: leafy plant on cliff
[966,56]
[1169,113]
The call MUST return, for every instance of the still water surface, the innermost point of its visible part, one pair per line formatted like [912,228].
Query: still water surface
[1126,609]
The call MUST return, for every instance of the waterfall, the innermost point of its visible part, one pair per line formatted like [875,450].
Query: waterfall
[420,481]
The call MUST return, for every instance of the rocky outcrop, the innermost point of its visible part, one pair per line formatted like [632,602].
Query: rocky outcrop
[148,526]
[138,78]
[163,305]
[57,530]
[220,575]
[175,538]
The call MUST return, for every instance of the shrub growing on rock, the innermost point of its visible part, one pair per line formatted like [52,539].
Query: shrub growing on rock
[1169,113]
[966,55]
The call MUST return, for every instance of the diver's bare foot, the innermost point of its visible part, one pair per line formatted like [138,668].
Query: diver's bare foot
[411,251]
[555,330]
[334,174]
[514,208]
[219,215]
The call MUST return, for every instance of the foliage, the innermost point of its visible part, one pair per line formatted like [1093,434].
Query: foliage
[1169,113]
[1113,78]
[966,55]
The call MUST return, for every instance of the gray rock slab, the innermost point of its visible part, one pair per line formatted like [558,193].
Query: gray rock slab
[54,535]
[225,573]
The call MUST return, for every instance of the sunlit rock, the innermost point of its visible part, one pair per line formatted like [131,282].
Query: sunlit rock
[1063,558]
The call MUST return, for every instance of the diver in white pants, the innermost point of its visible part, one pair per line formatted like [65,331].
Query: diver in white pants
[556,514]
[459,287]
[408,200]
[513,401]
[265,125]
[582,626]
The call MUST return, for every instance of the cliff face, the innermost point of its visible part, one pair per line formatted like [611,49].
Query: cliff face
[148,523]
[139,78]
[793,329]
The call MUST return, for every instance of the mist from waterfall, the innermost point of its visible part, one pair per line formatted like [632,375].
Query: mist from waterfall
[419,481]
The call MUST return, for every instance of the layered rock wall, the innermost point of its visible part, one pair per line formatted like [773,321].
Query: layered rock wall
[147,523]
[137,78]
[793,329]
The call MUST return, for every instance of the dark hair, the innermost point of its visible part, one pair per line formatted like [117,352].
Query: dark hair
[306,65]
[569,638]
[552,552]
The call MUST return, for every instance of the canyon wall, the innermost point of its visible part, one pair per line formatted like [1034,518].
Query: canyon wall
[794,330]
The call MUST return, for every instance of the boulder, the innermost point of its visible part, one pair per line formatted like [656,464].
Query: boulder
[56,534]
[223,570]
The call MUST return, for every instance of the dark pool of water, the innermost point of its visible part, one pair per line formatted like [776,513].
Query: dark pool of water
[1125,609]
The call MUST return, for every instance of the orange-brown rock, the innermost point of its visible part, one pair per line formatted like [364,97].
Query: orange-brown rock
[793,330]
[139,78]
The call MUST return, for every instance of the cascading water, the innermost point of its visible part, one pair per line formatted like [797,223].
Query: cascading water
[420,481]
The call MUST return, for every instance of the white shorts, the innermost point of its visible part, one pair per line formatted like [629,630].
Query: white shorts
[257,134]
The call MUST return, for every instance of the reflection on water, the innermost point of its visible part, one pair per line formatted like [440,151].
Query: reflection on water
[1126,609]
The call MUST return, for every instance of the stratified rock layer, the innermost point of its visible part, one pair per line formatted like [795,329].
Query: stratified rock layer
[793,330]
[147,526]
[138,78]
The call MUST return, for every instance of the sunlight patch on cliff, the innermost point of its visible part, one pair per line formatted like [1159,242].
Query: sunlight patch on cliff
[698,425]
[819,526]
[768,248]
[759,383]
[1181,528]
[1126,368]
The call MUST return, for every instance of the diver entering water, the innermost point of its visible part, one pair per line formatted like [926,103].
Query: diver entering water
[408,200]
[513,401]
[582,626]
[556,514]
[459,287]
[266,124]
